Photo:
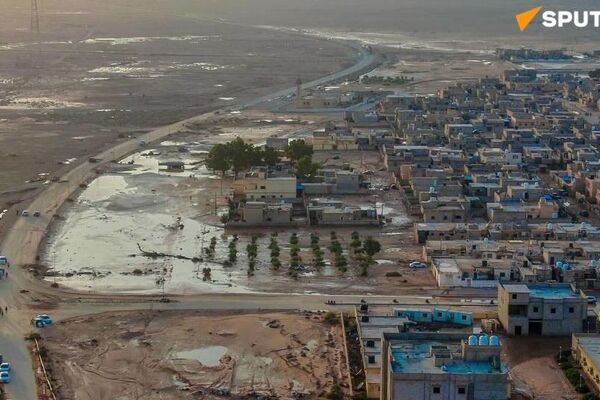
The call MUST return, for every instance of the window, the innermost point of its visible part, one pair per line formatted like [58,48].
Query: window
[436,390]
[462,390]
[536,309]
[464,317]
[263,187]
[571,310]
[371,359]
[370,343]
[553,310]
[514,296]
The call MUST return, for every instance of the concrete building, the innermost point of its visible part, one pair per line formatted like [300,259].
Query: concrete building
[417,366]
[260,213]
[334,212]
[263,185]
[550,309]
[586,351]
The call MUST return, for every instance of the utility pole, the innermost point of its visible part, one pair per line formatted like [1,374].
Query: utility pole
[35,17]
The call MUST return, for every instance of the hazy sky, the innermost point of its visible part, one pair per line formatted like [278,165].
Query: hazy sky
[430,18]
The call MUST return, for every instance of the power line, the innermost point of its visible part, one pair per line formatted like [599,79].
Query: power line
[35,17]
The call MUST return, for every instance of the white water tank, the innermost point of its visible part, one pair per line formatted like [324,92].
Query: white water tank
[484,340]
[494,341]
[472,340]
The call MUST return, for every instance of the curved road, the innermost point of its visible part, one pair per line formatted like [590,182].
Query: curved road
[22,241]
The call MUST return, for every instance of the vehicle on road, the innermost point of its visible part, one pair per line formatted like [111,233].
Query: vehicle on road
[417,264]
[42,320]
[5,367]
[3,260]
[4,377]
[36,214]
[592,299]
[25,213]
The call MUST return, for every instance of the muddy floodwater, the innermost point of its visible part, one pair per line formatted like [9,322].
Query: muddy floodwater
[140,228]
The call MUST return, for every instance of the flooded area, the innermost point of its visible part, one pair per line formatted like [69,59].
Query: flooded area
[208,356]
[158,209]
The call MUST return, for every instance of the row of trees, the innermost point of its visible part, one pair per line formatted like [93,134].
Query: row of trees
[362,252]
[238,155]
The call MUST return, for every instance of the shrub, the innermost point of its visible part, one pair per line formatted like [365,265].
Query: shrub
[335,393]
[331,318]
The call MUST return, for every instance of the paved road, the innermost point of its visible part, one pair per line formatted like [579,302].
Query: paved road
[22,241]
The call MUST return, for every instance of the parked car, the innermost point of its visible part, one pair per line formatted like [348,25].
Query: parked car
[592,299]
[5,367]
[36,214]
[42,320]
[4,377]
[25,213]
[417,264]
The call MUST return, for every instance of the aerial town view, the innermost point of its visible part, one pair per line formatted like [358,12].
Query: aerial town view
[286,199]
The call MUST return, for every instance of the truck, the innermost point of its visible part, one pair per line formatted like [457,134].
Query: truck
[4,261]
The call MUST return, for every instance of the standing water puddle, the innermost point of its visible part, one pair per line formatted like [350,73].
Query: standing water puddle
[209,356]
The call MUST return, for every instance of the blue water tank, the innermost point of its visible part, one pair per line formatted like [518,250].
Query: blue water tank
[472,340]
[494,341]
[594,263]
[559,264]
[484,340]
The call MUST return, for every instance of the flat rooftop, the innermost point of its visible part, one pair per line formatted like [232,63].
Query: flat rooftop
[590,343]
[414,357]
[551,292]
[544,291]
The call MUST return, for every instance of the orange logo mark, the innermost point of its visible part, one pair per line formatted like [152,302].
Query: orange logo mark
[525,18]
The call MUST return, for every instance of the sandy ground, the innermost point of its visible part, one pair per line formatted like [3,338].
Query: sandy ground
[185,355]
[101,72]
[534,369]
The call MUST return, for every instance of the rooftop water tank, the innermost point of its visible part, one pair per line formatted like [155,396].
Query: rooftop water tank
[484,340]
[594,263]
[494,341]
[472,340]
[559,264]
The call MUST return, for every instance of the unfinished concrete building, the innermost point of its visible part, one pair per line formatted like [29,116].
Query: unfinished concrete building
[551,309]
[417,366]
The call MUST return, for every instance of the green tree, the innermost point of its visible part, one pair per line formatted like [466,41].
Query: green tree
[270,156]
[371,246]
[306,168]
[218,159]
[298,149]
[242,155]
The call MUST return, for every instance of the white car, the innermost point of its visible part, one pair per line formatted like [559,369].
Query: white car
[25,213]
[417,264]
